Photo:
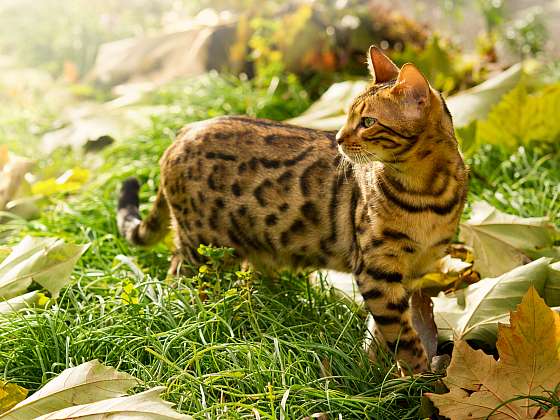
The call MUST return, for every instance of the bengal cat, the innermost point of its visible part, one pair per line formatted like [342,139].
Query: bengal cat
[381,198]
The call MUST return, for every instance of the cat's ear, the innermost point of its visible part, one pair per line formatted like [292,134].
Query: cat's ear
[412,83]
[381,68]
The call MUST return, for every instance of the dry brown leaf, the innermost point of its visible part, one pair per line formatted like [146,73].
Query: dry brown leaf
[422,312]
[529,364]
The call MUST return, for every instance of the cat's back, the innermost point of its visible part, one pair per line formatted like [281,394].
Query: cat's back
[259,136]
[250,150]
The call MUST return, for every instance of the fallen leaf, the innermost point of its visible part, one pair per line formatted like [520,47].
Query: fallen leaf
[503,241]
[448,270]
[473,313]
[10,395]
[69,181]
[84,384]
[25,207]
[145,405]
[529,365]
[19,302]
[47,261]
[422,314]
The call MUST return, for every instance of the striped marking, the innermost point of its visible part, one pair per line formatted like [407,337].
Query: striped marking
[386,319]
[395,234]
[388,276]
[400,306]
[401,344]
[372,294]
[440,209]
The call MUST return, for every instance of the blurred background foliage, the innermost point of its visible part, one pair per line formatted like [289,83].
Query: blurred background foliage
[320,41]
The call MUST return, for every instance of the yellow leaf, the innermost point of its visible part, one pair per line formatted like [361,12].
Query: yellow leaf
[42,299]
[75,174]
[70,181]
[449,269]
[10,395]
[529,364]
[438,280]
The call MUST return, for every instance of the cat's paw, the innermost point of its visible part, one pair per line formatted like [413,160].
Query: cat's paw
[413,361]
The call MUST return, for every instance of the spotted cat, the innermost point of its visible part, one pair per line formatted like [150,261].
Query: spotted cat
[381,198]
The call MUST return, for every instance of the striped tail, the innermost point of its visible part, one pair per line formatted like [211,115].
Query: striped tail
[137,231]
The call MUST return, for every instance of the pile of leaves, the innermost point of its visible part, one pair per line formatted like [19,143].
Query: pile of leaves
[522,384]
[502,247]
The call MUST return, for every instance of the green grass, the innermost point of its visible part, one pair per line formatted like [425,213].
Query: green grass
[526,182]
[223,345]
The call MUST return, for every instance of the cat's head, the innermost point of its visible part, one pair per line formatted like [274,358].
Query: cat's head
[393,117]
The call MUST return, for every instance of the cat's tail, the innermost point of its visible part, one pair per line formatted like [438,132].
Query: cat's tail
[137,231]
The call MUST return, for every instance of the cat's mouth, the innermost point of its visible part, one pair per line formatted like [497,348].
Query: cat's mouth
[360,157]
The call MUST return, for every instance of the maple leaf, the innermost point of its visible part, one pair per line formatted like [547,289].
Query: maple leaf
[529,365]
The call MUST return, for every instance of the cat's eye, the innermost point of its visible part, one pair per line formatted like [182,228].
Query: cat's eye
[368,121]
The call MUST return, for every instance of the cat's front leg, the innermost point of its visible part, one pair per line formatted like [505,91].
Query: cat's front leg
[388,301]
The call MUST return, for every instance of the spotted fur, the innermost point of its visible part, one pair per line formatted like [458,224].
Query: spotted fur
[382,202]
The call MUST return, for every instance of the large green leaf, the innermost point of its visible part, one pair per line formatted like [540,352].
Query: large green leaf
[47,261]
[473,313]
[521,117]
[503,241]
